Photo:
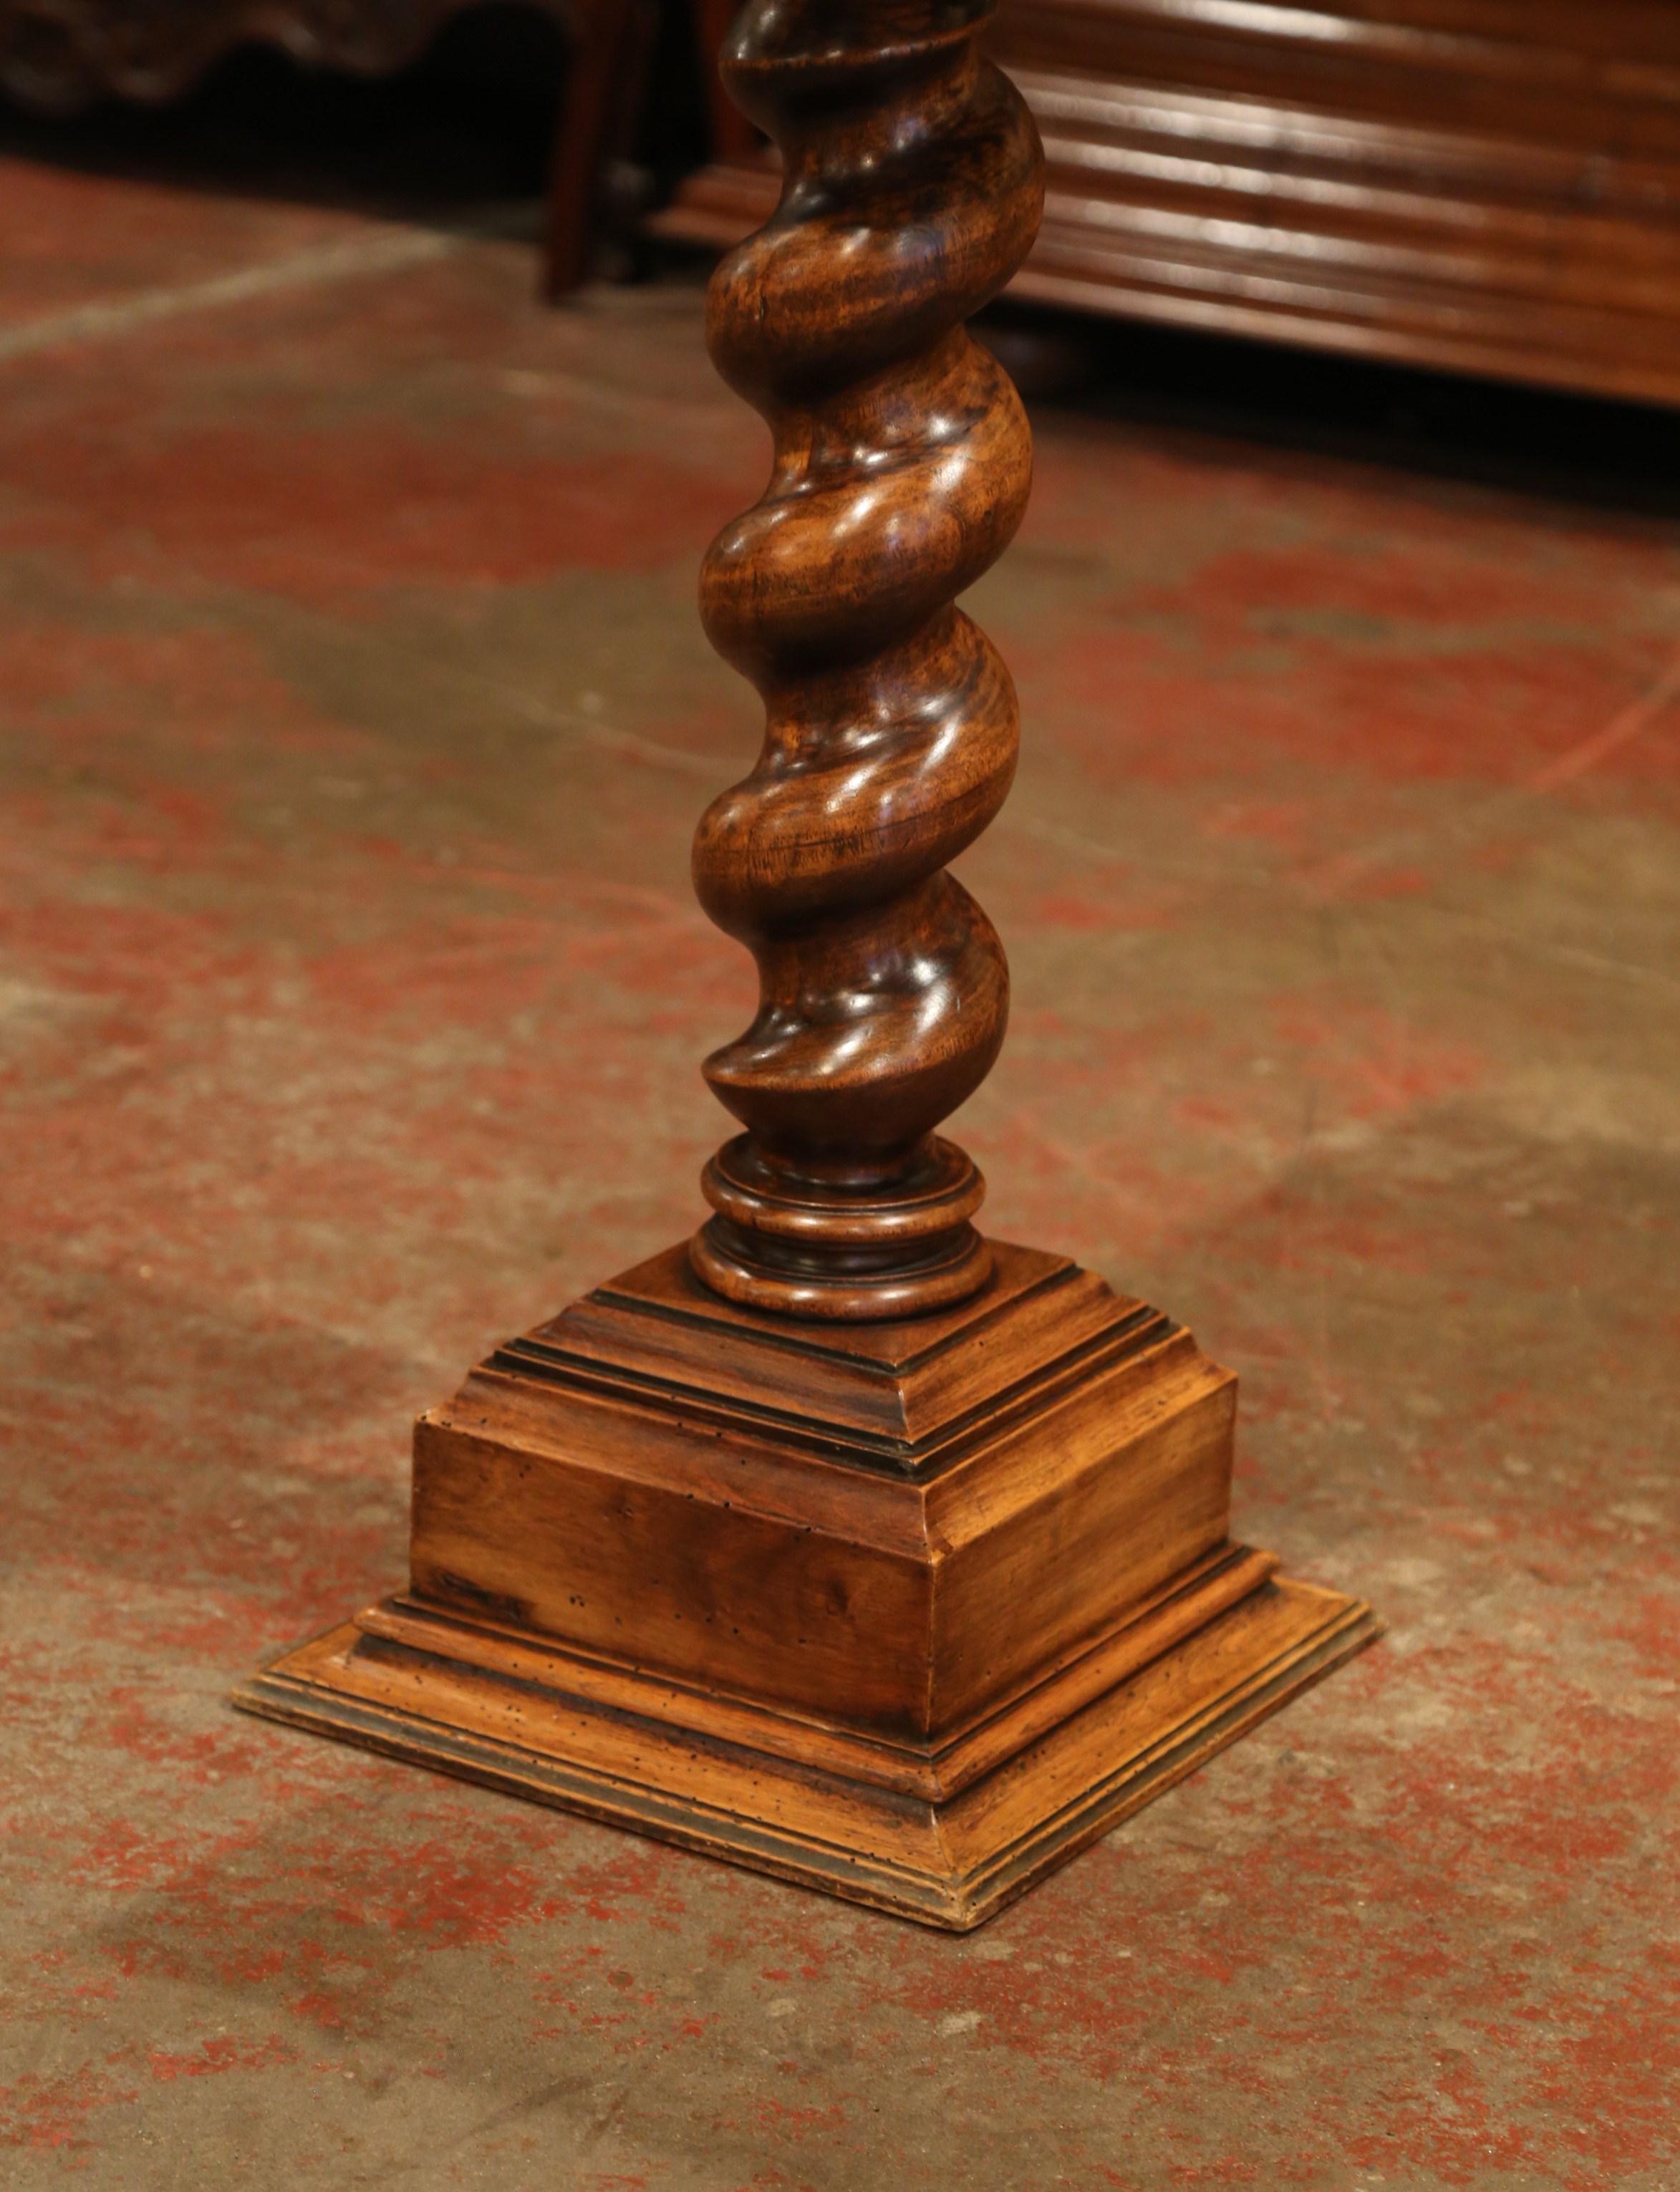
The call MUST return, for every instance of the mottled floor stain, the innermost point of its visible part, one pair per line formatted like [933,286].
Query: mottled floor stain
[351,997]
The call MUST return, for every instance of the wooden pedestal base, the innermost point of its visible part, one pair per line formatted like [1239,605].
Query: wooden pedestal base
[630,1748]
[908,1612]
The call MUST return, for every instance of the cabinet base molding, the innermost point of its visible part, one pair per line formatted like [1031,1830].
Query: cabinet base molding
[1467,185]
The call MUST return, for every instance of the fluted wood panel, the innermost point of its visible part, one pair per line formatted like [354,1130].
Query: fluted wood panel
[1487,185]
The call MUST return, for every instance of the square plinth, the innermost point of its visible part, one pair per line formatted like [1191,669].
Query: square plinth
[910,1614]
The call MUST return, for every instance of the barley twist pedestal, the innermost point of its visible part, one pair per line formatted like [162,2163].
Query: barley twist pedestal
[841,1541]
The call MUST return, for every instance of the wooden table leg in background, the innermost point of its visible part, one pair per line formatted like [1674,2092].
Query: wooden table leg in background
[841,1541]
[606,78]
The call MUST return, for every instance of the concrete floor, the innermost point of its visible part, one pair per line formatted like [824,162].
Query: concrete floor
[351,994]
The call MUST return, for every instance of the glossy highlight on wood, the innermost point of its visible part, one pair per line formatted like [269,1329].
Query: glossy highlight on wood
[1490,186]
[909,1611]
[902,465]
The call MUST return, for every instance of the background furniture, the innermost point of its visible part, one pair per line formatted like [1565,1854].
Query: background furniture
[59,56]
[1487,185]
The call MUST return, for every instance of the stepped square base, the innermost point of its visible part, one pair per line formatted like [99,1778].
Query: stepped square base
[907,1612]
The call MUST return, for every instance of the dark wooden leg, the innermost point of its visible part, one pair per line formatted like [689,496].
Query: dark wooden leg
[840,1541]
[603,87]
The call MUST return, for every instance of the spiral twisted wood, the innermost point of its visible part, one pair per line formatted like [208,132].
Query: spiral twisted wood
[912,188]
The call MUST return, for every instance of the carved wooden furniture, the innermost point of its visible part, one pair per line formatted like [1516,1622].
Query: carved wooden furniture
[841,1541]
[1488,186]
[58,56]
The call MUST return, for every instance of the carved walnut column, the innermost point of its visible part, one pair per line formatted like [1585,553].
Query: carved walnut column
[841,1541]
[914,185]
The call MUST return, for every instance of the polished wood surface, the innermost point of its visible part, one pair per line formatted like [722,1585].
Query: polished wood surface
[61,56]
[840,1542]
[541,1725]
[908,1611]
[1491,185]
[901,470]
[1021,1401]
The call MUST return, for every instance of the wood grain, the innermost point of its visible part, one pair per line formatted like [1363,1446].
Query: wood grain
[792,1557]
[953,1863]
[902,461]
[649,1580]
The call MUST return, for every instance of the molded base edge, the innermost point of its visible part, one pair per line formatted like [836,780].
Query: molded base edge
[951,1863]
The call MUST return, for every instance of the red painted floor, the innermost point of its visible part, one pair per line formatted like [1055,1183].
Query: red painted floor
[351,999]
